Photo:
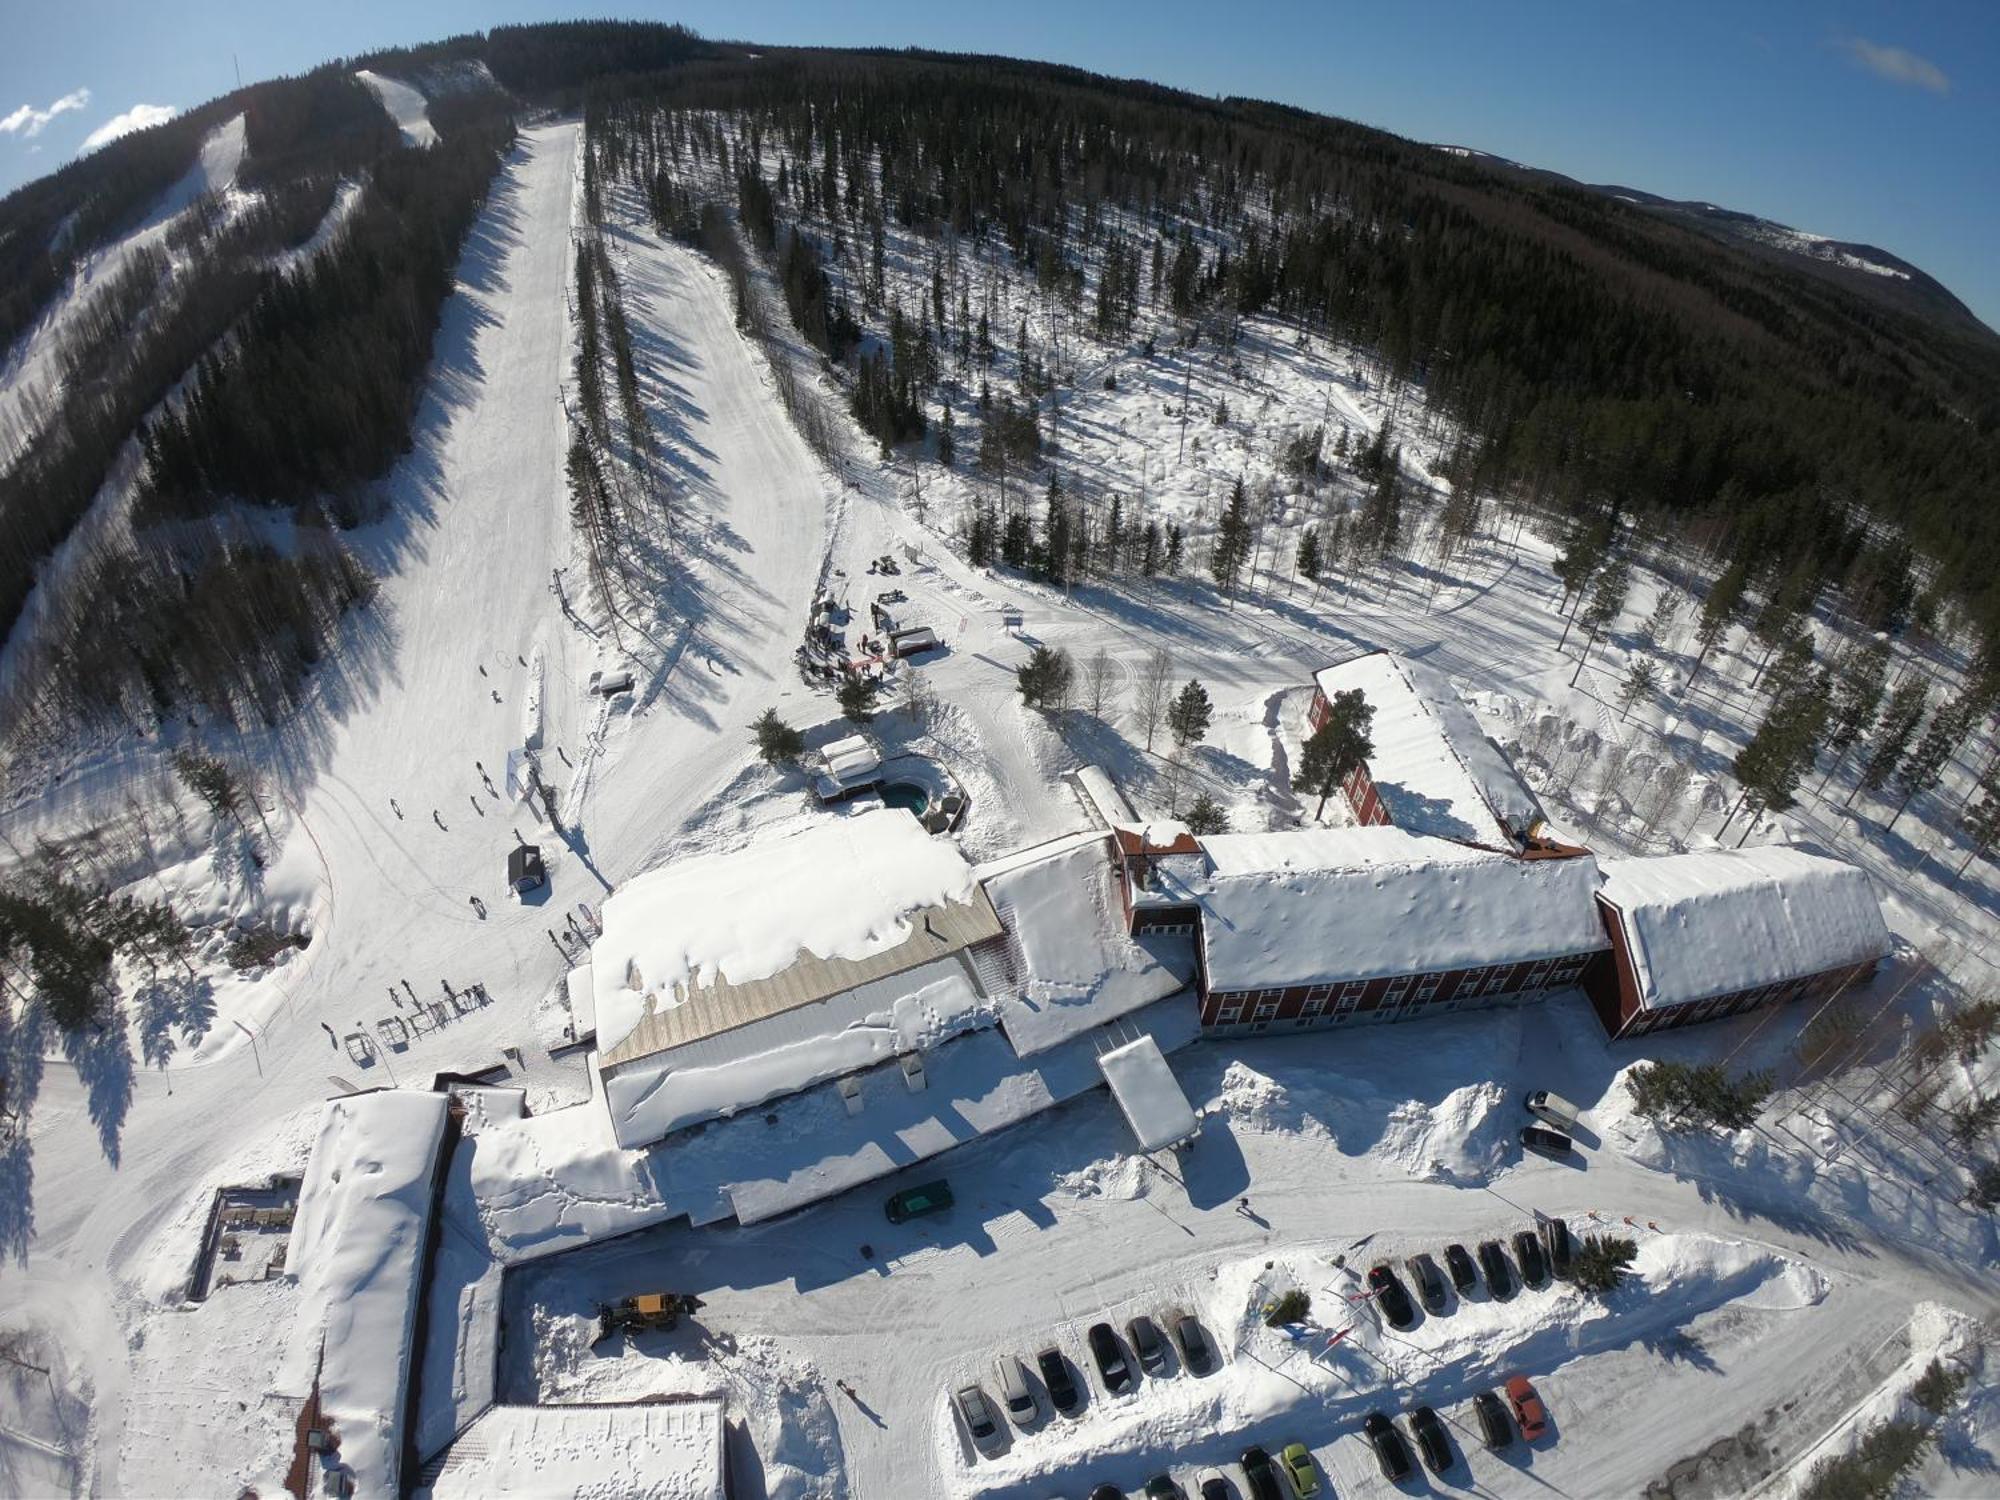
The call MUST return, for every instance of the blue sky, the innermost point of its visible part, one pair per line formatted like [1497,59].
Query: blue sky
[1863,121]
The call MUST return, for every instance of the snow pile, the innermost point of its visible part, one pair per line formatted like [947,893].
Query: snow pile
[1463,1139]
[1434,768]
[356,1254]
[405,106]
[1261,1103]
[845,888]
[1323,905]
[1722,921]
[659,1451]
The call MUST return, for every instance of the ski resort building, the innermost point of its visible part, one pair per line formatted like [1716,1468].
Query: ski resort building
[1697,936]
[1433,770]
[1330,926]
[727,980]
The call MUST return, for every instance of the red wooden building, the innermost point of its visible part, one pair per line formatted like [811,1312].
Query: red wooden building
[1697,936]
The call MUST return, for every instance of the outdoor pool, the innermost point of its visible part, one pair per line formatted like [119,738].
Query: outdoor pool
[903,794]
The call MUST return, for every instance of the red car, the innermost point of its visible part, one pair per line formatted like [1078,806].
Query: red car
[1528,1408]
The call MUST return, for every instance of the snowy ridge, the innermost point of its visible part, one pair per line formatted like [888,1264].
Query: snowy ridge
[404,105]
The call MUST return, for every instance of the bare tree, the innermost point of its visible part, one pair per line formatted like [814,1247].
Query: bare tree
[1669,787]
[1097,681]
[1155,692]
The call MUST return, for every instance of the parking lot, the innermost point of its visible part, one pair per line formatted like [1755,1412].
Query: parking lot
[1055,1228]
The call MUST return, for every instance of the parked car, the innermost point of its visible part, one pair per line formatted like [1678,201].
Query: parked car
[1210,1485]
[1260,1474]
[1147,1344]
[1493,1261]
[978,1414]
[1528,1408]
[1110,1357]
[1063,1393]
[1162,1487]
[1458,1261]
[1552,1109]
[1561,1245]
[1548,1142]
[1391,1298]
[1197,1353]
[1298,1466]
[915,1202]
[1431,1440]
[1107,1492]
[1528,1251]
[1022,1404]
[1492,1420]
[1391,1452]
[1430,1282]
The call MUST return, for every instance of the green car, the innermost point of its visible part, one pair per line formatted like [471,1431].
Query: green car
[912,1203]
[1298,1467]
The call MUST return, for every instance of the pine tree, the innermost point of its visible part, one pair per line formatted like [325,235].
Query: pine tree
[1044,680]
[1600,1262]
[1176,548]
[1981,818]
[1332,751]
[1232,540]
[1607,597]
[1308,557]
[856,696]
[1639,682]
[778,742]
[1187,719]
[1924,766]
[1581,557]
[1780,753]
[1898,726]
[1861,675]
[1206,816]
[946,448]
[1718,612]
[1149,550]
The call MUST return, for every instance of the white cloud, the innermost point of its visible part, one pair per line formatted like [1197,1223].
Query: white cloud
[1896,65]
[138,117]
[28,122]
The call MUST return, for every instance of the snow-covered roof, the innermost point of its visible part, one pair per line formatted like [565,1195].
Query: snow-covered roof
[1433,766]
[667,1450]
[356,1252]
[720,940]
[793,1049]
[1101,793]
[1321,905]
[1720,921]
[848,760]
[1146,1090]
[1069,963]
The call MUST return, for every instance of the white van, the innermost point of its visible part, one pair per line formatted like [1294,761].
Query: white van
[1552,1109]
[1016,1394]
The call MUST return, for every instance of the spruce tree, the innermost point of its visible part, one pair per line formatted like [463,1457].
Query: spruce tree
[1981,818]
[1861,675]
[1718,612]
[1924,766]
[1206,816]
[778,742]
[1308,556]
[1332,751]
[1893,734]
[1232,540]
[1187,719]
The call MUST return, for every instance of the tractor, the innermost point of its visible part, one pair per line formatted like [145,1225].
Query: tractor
[647,1310]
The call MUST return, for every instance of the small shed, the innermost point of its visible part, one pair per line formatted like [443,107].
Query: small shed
[1151,1098]
[911,642]
[524,869]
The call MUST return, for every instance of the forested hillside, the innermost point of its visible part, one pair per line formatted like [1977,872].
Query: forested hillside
[1585,359]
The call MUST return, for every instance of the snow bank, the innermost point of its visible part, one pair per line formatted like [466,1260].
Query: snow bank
[662,1451]
[845,888]
[1462,1139]
[1720,921]
[405,106]
[356,1254]
[1321,905]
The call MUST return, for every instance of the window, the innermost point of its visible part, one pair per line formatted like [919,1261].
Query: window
[1229,1011]
[1315,1003]
[1427,989]
[1319,992]
[1496,980]
[1538,976]
[1351,993]
[1267,1005]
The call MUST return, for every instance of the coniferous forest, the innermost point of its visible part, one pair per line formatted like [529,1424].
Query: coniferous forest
[1610,368]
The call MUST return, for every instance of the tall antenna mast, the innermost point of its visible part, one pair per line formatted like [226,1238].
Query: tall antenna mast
[239,69]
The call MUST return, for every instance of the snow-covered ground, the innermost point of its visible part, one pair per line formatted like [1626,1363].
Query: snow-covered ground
[1774,1275]
[406,106]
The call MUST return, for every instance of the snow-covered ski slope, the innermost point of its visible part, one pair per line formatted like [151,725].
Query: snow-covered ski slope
[406,107]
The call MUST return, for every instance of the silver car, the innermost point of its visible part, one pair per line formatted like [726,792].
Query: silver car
[977,1413]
